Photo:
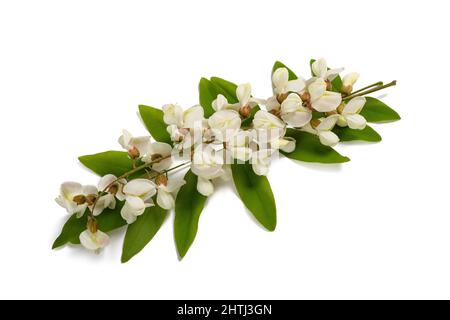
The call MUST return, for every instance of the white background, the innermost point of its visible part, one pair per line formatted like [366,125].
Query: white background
[73,72]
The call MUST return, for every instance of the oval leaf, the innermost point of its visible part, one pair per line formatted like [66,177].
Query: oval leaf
[153,121]
[376,111]
[188,207]
[309,149]
[367,134]
[256,194]
[109,162]
[207,94]
[108,220]
[142,231]
[226,88]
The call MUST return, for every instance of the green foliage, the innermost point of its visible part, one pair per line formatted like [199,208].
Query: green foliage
[154,122]
[142,231]
[256,194]
[376,111]
[188,207]
[309,149]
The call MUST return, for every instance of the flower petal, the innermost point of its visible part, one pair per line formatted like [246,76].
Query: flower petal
[355,105]
[243,93]
[280,80]
[328,138]
[329,101]
[297,119]
[165,200]
[205,186]
[319,68]
[193,117]
[139,188]
[328,123]
[296,85]
[350,79]
[173,114]
[356,121]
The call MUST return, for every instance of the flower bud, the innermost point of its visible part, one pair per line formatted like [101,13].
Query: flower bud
[305,96]
[155,157]
[92,225]
[347,89]
[90,199]
[276,112]
[133,153]
[315,123]
[330,113]
[245,111]
[281,97]
[161,180]
[113,189]
[79,199]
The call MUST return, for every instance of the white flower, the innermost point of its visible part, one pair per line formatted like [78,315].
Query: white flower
[110,184]
[244,96]
[281,83]
[165,197]
[268,128]
[350,79]
[261,160]
[94,241]
[128,142]
[221,103]
[238,146]
[205,186]
[207,164]
[174,115]
[73,197]
[350,114]
[266,120]
[159,150]
[320,70]
[293,112]
[185,128]
[224,124]
[323,130]
[139,193]
[321,99]
[286,144]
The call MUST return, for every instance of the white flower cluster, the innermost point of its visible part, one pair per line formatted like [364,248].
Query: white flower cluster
[214,143]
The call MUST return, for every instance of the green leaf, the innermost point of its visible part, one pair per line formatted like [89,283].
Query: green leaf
[108,220]
[256,194]
[207,94]
[336,83]
[188,207]
[376,111]
[278,64]
[226,88]
[142,231]
[153,121]
[367,134]
[109,162]
[309,149]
